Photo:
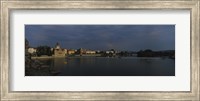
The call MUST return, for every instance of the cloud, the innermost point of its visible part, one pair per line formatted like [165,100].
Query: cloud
[121,37]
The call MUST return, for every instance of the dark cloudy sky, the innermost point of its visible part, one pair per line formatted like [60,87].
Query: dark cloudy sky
[103,37]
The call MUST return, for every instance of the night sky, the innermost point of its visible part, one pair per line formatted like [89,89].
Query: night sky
[103,37]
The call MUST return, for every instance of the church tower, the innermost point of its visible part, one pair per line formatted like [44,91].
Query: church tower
[58,52]
[57,46]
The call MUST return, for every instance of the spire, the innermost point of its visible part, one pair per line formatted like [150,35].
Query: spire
[57,46]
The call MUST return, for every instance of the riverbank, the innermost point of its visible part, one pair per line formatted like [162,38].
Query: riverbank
[41,57]
[39,66]
[88,55]
[84,55]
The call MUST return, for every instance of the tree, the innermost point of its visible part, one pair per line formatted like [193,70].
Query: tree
[44,50]
[145,53]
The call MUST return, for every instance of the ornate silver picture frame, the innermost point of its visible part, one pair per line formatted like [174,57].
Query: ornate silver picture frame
[8,5]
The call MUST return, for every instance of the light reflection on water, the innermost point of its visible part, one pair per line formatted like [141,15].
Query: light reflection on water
[103,66]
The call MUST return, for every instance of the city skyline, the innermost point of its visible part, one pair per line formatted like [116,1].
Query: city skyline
[103,37]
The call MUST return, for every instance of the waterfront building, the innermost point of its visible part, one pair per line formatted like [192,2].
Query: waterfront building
[90,52]
[58,51]
[65,51]
[110,52]
[32,50]
[81,51]
[71,51]
[85,51]
[98,51]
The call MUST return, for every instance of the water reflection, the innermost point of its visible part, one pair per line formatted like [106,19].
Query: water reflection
[103,66]
[57,64]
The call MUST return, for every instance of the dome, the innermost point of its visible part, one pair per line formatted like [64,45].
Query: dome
[57,46]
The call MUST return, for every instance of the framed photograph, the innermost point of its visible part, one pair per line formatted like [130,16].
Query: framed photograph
[100,50]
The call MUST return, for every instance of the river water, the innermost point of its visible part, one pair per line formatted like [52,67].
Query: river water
[105,66]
